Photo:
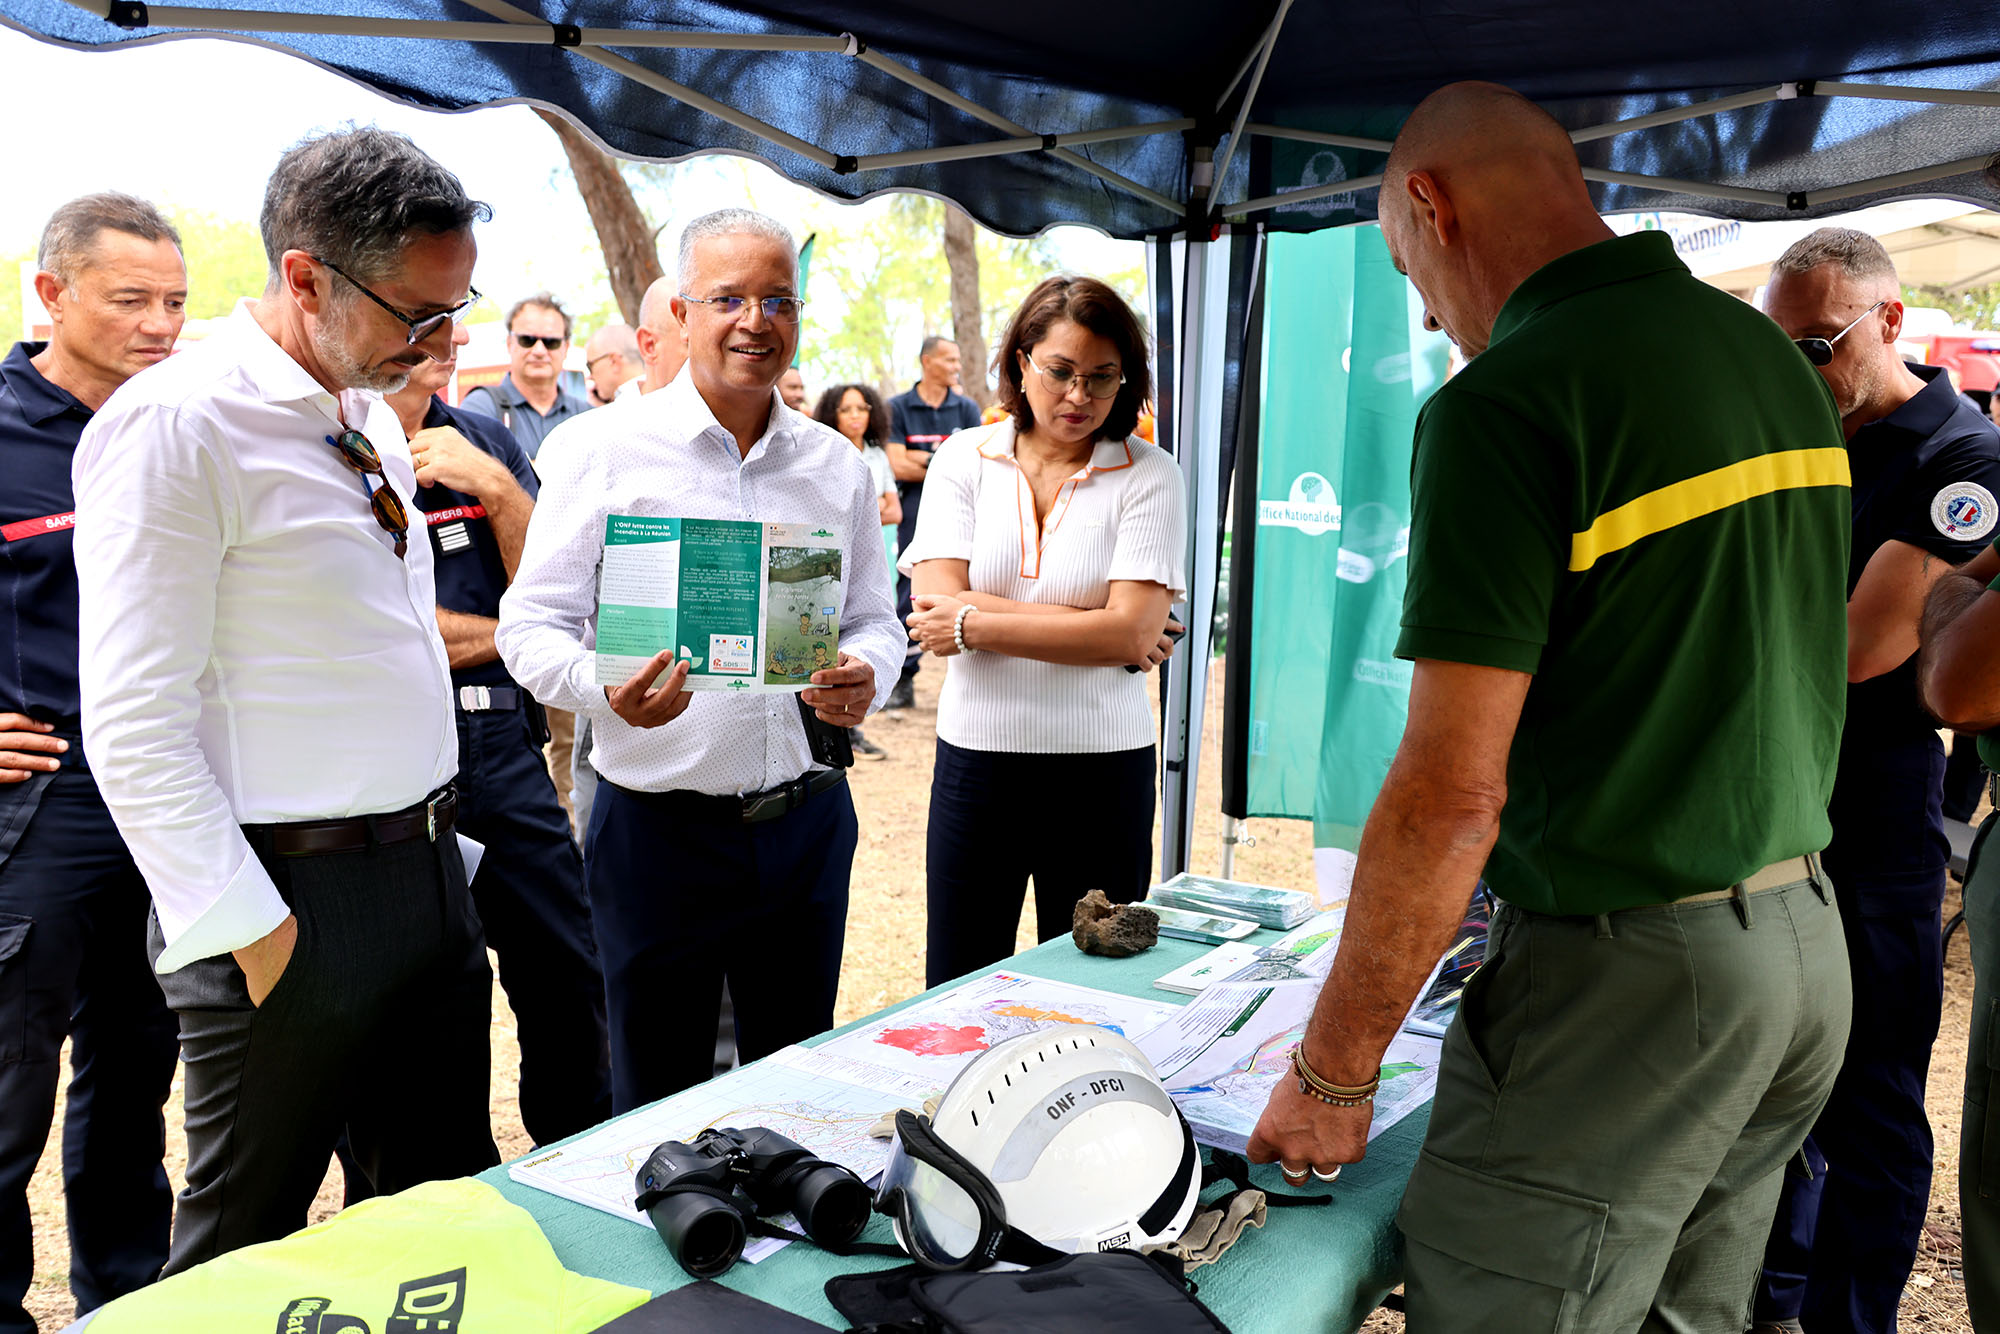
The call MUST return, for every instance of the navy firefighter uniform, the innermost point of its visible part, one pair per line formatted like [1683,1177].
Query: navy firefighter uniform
[73,909]
[529,885]
[1852,1211]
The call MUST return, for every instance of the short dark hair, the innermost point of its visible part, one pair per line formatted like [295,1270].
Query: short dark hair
[71,233]
[1094,305]
[547,299]
[356,197]
[929,345]
[827,411]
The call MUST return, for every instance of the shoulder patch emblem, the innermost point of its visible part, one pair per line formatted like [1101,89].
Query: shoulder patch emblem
[1965,512]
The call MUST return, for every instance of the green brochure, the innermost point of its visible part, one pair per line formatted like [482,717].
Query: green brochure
[748,606]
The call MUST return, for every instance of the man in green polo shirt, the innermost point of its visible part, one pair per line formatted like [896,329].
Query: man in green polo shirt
[1958,672]
[1627,609]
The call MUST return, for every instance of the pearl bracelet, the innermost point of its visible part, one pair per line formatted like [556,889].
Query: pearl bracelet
[958,628]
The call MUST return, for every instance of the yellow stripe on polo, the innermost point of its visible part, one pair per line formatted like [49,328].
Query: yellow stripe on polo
[1676,504]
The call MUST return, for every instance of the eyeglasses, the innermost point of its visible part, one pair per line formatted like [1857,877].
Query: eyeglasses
[1058,379]
[1819,351]
[420,329]
[549,341]
[591,365]
[777,309]
[357,453]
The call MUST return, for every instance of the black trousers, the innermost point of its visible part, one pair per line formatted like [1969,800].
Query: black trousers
[73,964]
[683,901]
[378,1028]
[529,892]
[983,845]
[1845,1237]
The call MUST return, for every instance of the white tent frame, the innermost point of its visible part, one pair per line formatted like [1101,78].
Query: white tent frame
[1204,283]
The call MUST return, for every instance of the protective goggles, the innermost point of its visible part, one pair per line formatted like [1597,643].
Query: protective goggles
[947,1213]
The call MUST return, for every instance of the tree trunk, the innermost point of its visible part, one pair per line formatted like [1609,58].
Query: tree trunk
[630,255]
[961,255]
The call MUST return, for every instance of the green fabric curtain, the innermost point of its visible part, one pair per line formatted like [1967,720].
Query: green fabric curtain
[1346,366]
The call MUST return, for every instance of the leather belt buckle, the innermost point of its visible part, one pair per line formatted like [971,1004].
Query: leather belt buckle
[438,802]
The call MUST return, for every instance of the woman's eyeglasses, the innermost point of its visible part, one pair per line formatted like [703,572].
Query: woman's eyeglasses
[357,453]
[1819,351]
[420,329]
[1058,379]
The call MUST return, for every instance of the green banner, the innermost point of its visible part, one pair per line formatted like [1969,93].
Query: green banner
[1346,365]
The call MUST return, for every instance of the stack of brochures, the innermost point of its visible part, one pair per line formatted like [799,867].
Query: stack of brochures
[1304,954]
[1281,909]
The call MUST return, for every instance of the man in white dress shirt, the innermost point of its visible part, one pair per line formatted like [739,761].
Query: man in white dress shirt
[267,705]
[718,847]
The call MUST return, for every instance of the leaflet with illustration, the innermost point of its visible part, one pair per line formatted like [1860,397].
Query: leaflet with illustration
[748,606]
[1222,1054]
[1305,951]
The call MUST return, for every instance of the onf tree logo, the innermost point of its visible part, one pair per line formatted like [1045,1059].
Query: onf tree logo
[1310,507]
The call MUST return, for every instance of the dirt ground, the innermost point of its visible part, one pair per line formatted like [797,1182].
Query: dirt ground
[884,963]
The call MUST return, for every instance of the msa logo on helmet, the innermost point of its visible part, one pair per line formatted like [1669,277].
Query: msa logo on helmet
[1118,1242]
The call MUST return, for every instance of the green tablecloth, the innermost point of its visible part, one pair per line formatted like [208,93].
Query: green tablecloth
[1318,1269]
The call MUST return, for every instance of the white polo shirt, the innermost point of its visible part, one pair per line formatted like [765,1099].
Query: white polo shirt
[1121,516]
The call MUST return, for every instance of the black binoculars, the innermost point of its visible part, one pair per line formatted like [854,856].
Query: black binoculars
[695,1193]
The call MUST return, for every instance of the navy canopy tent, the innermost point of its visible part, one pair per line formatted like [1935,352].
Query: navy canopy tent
[1181,121]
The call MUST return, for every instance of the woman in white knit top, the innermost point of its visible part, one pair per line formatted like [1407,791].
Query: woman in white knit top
[1046,558]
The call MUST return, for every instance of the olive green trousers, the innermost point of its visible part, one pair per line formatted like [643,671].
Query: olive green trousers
[1615,1103]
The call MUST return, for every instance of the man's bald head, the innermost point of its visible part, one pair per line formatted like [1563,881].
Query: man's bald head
[1466,127]
[610,358]
[662,345]
[1481,189]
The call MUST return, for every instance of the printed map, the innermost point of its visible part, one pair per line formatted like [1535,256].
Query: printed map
[914,1052]
[1221,1056]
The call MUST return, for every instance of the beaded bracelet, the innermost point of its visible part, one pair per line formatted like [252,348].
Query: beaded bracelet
[958,628]
[1334,1095]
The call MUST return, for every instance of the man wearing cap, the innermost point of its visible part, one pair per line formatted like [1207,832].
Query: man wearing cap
[1926,468]
[72,904]
[1625,605]
[476,491]
[268,705]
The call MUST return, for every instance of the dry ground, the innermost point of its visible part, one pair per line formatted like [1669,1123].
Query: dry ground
[884,963]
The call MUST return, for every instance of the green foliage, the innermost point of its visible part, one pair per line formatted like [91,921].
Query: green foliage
[225,261]
[1977,308]
[10,298]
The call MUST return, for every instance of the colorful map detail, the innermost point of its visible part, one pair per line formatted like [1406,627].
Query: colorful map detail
[934,1039]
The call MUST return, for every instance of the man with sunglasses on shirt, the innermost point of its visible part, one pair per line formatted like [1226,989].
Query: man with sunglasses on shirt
[1926,473]
[719,845]
[530,400]
[268,705]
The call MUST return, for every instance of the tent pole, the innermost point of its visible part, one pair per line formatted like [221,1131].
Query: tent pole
[1032,143]
[1715,106]
[1250,93]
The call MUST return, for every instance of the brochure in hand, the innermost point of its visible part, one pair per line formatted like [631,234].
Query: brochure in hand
[748,606]
[1263,904]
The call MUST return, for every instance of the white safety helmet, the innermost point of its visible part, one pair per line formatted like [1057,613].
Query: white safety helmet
[1063,1137]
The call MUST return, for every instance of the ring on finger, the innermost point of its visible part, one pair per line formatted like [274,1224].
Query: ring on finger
[1332,1176]
[1294,1174]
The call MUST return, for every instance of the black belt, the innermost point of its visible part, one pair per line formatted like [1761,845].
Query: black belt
[428,819]
[483,699]
[751,807]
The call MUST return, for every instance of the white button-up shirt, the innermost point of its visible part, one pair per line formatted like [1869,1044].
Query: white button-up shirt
[252,649]
[664,455]
[1122,516]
